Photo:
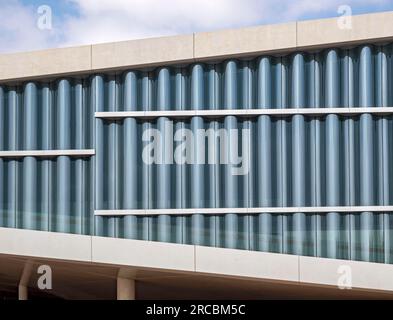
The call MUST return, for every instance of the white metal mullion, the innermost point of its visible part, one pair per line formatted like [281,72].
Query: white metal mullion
[243,112]
[214,211]
[47,153]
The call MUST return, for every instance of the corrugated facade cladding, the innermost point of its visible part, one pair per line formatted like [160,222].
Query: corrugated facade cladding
[295,160]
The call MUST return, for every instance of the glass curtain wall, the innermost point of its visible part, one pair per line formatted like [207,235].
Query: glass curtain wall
[293,161]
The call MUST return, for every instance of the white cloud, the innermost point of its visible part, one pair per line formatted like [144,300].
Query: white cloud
[113,20]
[110,20]
[19,30]
[300,8]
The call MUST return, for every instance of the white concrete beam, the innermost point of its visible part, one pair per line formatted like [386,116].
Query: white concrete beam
[143,52]
[253,210]
[259,40]
[52,62]
[116,115]
[335,272]
[134,255]
[43,244]
[248,264]
[246,41]
[148,254]
[47,153]
[327,32]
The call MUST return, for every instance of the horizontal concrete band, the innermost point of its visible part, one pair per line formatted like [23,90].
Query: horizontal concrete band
[47,153]
[252,41]
[114,115]
[191,259]
[209,211]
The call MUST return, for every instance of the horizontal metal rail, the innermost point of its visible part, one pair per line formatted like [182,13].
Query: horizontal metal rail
[115,115]
[47,153]
[217,211]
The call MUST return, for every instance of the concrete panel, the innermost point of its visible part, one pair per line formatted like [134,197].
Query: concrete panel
[144,52]
[45,244]
[325,32]
[153,52]
[244,263]
[365,275]
[45,63]
[144,254]
[240,264]
[246,41]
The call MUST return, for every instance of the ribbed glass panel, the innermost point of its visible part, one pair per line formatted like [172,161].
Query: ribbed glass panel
[46,116]
[282,233]
[292,161]
[34,198]
[52,194]
[289,162]
[332,78]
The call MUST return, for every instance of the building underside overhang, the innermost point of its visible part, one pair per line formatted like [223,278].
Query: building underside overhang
[85,267]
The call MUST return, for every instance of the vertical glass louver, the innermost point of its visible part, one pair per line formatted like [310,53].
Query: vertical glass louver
[293,161]
[46,193]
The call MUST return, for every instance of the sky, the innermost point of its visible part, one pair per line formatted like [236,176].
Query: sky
[27,25]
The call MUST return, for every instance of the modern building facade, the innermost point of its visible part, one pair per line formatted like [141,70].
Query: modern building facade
[256,158]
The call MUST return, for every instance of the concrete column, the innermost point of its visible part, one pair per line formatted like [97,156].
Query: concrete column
[125,289]
[23,293]
[24,281]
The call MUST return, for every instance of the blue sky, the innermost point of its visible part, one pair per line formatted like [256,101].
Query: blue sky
[76,22]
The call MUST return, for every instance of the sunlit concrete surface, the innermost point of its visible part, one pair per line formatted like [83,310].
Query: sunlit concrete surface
[244,42]
[85,267]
